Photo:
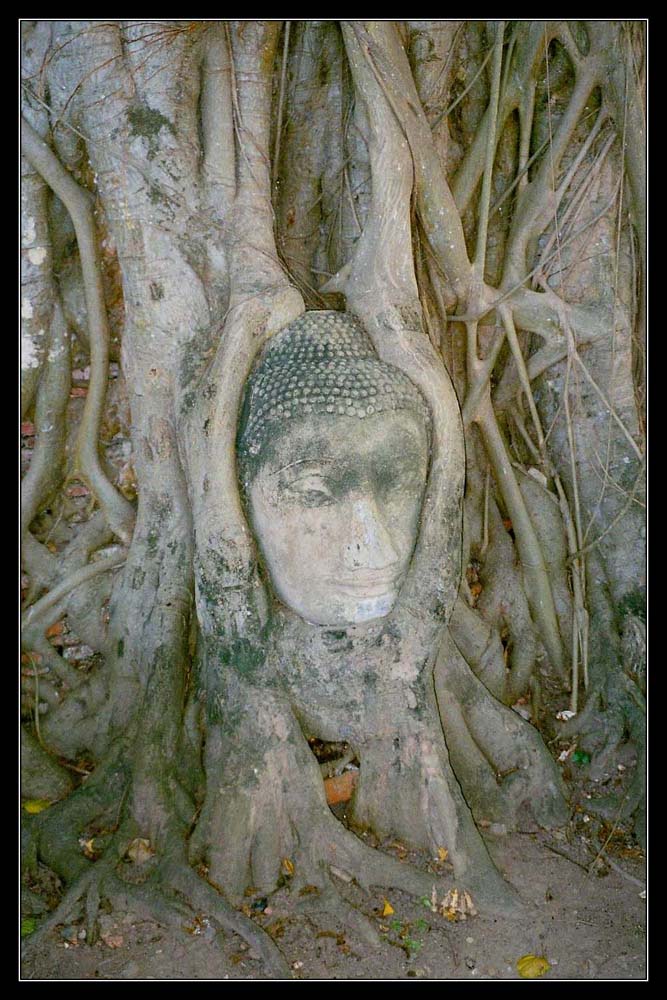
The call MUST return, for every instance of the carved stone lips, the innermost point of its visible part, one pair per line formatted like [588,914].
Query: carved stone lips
[368,585]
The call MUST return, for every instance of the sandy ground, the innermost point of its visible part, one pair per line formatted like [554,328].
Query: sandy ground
[587,926]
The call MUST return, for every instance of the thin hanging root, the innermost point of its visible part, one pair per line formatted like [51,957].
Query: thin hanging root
[538,585]
[579,639]
[485,522]
[281,106]
[485,197]
[119,511]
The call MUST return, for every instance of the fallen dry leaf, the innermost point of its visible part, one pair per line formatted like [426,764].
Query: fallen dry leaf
[532,966]
[140,850]
[288,866]
[443,853]
[87,845]
[34,806]
[400,849]
[387,909]
[457,905]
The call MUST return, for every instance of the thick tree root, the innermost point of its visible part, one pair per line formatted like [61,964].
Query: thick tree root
[155,900]
[506,773]
[328,902]
[69,904]
[167,890]
[602,732]
[205,898]
[266,818]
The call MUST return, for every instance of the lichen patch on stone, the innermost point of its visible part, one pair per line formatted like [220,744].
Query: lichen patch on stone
[37,255]
[29,351]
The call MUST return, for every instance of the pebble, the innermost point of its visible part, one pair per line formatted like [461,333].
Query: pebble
[78,652]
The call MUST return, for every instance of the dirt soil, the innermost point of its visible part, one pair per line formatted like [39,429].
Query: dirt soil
[587,926]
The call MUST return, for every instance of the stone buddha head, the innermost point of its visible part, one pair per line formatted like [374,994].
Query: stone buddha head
[333,451]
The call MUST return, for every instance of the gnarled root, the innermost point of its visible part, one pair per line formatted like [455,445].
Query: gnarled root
[505,771]
[266,815]
[164,888]
[418,798]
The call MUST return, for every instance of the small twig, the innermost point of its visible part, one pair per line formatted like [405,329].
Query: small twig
[577,201]
[568,857]
[612,524]
[621,871]
[611,833]
[612,412]
[507,192]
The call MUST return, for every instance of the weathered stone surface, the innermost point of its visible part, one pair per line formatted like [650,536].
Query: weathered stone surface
[334,450]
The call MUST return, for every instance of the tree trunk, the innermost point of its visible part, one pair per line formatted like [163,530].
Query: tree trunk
[189,190]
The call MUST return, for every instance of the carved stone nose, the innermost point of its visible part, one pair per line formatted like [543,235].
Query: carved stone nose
[369,543]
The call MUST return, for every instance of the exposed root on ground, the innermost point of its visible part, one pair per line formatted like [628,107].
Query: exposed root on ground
[161,886]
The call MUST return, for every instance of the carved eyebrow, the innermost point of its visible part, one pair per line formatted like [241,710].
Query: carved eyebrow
[303,461]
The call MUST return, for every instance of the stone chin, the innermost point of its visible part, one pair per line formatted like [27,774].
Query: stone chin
[345,612]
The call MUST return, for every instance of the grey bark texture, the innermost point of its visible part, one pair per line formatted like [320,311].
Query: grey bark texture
[459,188]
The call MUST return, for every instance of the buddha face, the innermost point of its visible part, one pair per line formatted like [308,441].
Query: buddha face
[335,508]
